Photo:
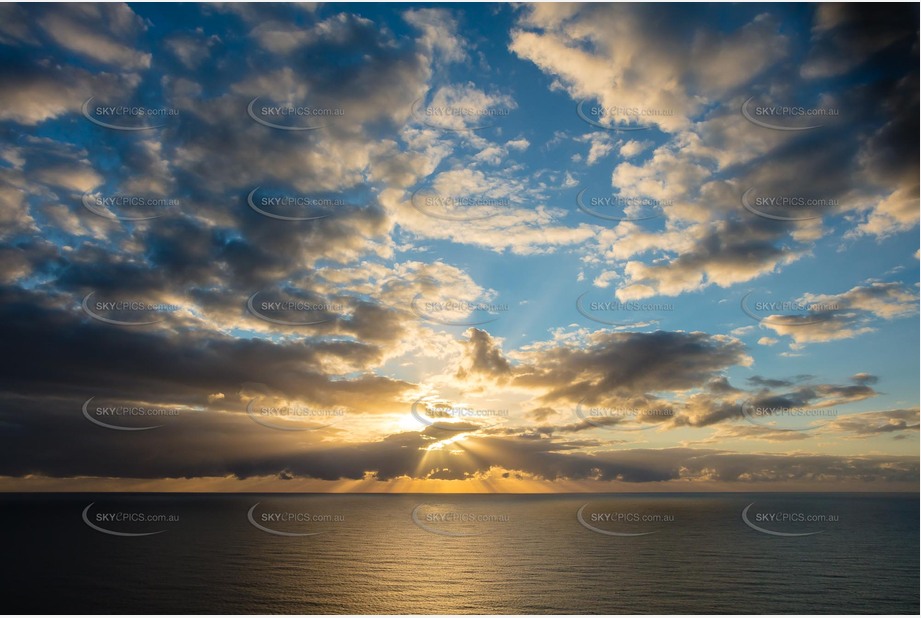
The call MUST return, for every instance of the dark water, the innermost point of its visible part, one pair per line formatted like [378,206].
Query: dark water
[461,554]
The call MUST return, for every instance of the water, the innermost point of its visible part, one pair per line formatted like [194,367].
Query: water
[505,554]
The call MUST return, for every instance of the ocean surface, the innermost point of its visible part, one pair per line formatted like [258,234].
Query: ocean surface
[504,554]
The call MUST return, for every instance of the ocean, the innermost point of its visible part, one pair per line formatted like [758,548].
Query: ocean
[436,554]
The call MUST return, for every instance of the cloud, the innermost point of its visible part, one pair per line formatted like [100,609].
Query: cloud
[844,37]
[483,357]
[833,317]
[192,48]
[226,445]
[612,369]
[14,25]
[861,425]
[32,92]
[720,405]
[101,32]
[873,423]
[711,156]
[625,58]
[439,33]
[601,145]
[633,147]
[724,253]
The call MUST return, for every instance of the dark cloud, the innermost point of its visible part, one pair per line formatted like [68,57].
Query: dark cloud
[624,365]
[872,423]
[483,357]
[88,357]
[848,36]
[232,445]
[704,409]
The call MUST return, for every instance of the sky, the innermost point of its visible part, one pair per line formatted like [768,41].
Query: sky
[459,248]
